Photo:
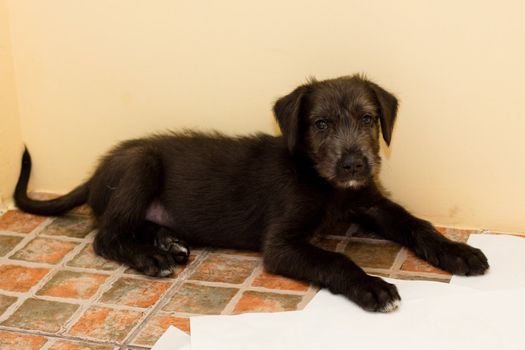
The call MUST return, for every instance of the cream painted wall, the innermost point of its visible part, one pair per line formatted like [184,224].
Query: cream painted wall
[10,136]
[91,73]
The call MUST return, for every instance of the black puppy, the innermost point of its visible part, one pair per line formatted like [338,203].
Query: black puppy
[261,192]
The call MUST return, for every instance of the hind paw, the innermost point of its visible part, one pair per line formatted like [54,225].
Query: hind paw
[167,242]
[155,264]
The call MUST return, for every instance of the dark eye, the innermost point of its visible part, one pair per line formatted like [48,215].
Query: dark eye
[321,124]
[367,119]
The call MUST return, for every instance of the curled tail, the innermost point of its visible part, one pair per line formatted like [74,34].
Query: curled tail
[46,207]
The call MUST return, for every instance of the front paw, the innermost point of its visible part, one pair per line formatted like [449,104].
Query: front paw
[373,294]
[459,259]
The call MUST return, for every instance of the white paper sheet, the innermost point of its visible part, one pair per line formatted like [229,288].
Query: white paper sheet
[481,321]
[506,256]
[256,331]
[173,339]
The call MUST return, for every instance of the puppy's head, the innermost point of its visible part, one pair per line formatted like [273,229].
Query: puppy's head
[336,124]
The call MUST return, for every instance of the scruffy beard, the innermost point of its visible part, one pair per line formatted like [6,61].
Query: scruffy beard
[349,183]
[353,184]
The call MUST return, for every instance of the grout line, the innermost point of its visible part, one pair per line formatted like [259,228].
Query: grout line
[234,256]
[377,271]
[61,238]
[176,314]
[57,336]
[90,302]
[89,270]
[399,260]
[140,276]
[48,344]
[137,347]
[12,233]
[422,276]
[218,284]
[342,245]
[278,291]
[26,263]
[312,291]
[358,239]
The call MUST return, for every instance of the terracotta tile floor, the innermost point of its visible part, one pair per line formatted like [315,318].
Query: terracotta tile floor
[56,294]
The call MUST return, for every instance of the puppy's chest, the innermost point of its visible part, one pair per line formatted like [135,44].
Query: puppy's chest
[345,206]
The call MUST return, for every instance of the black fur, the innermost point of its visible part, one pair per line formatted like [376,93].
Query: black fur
[261,192]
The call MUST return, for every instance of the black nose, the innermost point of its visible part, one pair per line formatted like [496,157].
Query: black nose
[353,163]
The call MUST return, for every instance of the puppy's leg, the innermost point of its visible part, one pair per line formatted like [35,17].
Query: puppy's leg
[395,223]
[123,233]
[301,260]
[141,256]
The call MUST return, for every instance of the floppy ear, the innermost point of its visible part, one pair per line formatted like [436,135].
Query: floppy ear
[388,104]
[287,112]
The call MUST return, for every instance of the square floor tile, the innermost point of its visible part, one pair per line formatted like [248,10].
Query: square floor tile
[415,264]
[326,243]
[73,345]
[83,210]
[16,278]
[71,284]
[42,315]
[199,299]
[5,302]
[228,269]
[458,235]
[17,221]
[157,326]
[71,225]
[135,292]
[44,250]
[106,323]
[252,301]
[18,341]
[376,255]
[267,280]
[7,243]
[441,229]
[360,233]
[89,260]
